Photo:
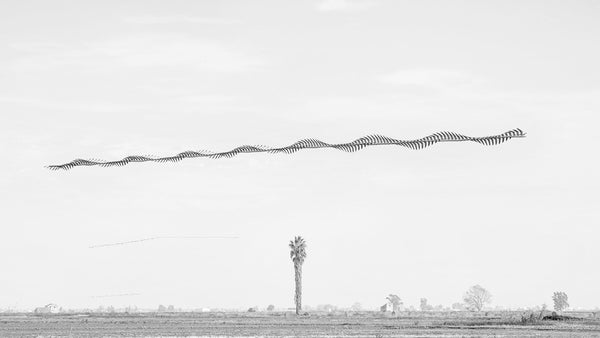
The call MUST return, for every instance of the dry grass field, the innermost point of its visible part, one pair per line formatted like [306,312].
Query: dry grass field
[364,324]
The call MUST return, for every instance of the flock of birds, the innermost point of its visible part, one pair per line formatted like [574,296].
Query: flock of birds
[367,141]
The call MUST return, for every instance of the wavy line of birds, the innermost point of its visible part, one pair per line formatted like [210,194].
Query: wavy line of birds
[358,144]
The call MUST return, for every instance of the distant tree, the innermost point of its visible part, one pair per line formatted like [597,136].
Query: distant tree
[396,302]
[271,307]
[477,297]
[356,307]
[170,308]
[162,308]
[298,254]
[561,301]
[542,311]
[424,306]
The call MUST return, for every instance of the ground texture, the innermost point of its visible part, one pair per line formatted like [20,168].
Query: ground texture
[288,325]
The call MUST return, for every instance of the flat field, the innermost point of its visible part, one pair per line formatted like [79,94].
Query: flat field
[278,324]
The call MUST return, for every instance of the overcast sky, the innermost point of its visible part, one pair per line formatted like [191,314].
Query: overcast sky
[107,79]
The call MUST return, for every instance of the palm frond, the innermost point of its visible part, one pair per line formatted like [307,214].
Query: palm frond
[298,249]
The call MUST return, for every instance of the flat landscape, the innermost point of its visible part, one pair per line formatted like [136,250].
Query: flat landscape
[279,324]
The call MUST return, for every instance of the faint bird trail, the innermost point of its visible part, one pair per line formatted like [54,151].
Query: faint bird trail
[118,295]
[367,141]
[160,237]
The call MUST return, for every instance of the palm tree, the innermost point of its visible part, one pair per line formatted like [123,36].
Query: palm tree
[298,254]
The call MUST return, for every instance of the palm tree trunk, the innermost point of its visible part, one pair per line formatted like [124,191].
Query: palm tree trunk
[298,295]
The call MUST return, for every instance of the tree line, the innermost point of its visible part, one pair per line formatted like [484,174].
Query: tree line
[474,299]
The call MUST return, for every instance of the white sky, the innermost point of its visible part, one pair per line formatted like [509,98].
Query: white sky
[107,79]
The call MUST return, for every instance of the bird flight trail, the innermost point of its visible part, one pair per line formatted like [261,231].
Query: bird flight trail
[358,144]
[118,295]
[160,237]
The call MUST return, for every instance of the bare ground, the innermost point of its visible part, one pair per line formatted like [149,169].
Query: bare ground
[366,324]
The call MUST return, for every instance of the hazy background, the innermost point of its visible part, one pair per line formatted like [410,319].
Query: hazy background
[106,79]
